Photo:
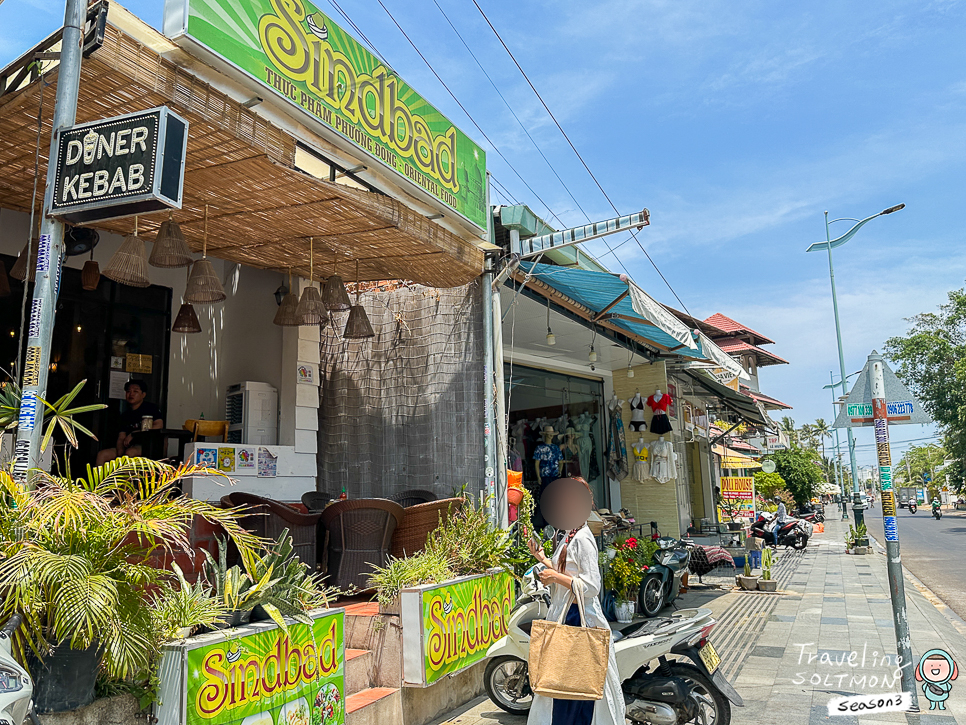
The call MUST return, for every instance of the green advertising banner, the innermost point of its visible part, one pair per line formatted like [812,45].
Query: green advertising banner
[462,619]
[299,53]
[268,678]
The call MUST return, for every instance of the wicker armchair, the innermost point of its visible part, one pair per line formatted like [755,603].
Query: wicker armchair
[413,497]
[360,534]
[316,500]
[271,517]
[418,522]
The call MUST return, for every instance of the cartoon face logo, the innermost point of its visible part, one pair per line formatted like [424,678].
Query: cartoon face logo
[936,671]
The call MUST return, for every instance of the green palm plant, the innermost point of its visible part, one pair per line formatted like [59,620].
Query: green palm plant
[59,414]
[9,405]
[76,555]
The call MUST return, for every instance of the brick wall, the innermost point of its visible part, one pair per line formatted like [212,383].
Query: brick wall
[649,501]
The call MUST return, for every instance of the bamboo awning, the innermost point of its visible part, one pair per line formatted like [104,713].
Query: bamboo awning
[262,210]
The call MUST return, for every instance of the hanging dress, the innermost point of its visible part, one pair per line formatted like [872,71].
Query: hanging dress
[616,445]
[642,471]
[660,423]
[638,424]
[662,461]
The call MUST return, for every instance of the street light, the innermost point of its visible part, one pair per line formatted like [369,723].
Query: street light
[829,244]
[838,456]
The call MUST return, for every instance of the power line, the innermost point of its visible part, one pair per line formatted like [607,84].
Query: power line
[355,27]
[574,148]
[472,120]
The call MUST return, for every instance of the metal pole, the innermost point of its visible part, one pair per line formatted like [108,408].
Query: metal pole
[856,499]
[50,253]
[839,478]
[891,527]
[489,430]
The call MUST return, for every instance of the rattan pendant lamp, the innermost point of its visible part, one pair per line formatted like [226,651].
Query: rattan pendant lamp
[129,265]
[358,327]
[286,315]
[91,274]
[310,310]
[20,267]
[187,320]
[204,287]
[170,249]
[334,296]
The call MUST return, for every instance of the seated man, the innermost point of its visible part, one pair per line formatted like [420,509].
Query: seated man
[127,440]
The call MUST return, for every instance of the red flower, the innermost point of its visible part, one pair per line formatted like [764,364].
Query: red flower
[631,543]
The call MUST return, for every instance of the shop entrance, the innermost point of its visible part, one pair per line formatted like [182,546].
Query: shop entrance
[573,407]
[104,336]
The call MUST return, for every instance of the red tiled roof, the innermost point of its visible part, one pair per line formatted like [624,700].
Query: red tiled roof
[732,346]
[729,325]
[765,400]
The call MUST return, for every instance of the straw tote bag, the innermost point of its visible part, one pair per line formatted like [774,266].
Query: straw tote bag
[568,663]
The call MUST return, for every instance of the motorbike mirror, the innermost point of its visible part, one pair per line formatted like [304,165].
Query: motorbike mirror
[549,531]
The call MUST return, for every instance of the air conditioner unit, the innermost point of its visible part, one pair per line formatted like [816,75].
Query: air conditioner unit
[252,413]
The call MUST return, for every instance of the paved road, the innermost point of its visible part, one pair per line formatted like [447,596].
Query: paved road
[934,551]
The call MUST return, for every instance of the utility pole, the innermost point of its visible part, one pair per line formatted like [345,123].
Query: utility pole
[891,527]
[50,252]
[839,476]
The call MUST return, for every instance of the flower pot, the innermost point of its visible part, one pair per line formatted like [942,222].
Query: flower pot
[749,583]
[258,615]
[611,553]
[392,609]
[625,612]
[734,526]
[514,496]
[64,680]
[767,585]
[234,619]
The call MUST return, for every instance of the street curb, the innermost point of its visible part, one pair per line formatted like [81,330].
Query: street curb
[954,619]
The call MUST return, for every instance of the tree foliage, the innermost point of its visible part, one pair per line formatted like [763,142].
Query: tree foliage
[801,470]
[768,484]
[931,360]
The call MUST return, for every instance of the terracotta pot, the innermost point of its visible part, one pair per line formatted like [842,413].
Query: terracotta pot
[514,496]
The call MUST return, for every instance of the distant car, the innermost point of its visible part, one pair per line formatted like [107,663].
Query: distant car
[904,502]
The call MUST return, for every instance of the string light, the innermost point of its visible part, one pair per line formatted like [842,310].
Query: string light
[551,340]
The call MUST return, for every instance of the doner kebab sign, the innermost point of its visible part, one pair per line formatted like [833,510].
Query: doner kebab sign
[298,53]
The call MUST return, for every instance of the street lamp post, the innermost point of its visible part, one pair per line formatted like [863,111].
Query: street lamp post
[840,479]
[829,244]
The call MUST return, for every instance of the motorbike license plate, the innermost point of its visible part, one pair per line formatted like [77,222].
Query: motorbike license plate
[710,657]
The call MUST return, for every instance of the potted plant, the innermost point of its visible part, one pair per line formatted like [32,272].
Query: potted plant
[77,563]
[856,537]
[766,583]
[746,580]
[623,574]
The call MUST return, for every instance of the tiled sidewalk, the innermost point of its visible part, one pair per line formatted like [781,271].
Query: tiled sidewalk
[788,654]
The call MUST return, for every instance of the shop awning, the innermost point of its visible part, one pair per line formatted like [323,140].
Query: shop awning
[748,409]
[262,209]
[610,302]
[732,459]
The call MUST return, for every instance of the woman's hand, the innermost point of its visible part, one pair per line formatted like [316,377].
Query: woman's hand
[538,553]
[552,576]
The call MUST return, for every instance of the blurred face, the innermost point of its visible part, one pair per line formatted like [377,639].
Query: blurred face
[134,395]
[566,504]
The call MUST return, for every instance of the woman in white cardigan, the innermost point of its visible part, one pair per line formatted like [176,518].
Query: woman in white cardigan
[575,557]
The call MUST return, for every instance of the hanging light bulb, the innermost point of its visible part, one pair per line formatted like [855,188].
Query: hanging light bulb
[551,340]
[630,370]
[357,326]
[592,356]
[204,287]
[310,310]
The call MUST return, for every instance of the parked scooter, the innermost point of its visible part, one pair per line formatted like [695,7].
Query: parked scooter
[16,687]
[794,532]
[811,514]
[662,582]
[673,692]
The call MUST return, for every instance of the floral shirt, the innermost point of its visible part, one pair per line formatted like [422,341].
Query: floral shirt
[549,457]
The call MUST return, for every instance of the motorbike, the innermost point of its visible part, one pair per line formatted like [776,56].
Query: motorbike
[812,514]
[912,507]
[662,581]
[657,690]
[794,532]
[16,687]
[936,511]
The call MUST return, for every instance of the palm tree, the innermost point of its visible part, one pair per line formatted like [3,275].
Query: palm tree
[806,435]
[787,426]
[822,430]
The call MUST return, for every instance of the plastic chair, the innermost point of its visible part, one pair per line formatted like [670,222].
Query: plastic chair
[413,497]
[207,428]
[270,517]
[360,534]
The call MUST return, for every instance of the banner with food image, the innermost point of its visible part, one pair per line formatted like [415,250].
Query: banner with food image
[270,678]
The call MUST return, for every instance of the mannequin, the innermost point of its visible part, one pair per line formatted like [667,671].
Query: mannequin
[642,470]
[638,424]
[614,402]
[584,444]
[519,430]
[658,403]
[514,459]
[663,461]
[548,456]
[562,424]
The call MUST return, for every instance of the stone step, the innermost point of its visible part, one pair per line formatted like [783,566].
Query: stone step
[374,706]
[357,670]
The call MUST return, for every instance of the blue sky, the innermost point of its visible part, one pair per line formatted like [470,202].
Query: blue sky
[737,125]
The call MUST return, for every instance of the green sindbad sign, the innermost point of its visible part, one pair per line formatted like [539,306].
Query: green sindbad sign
[299,53]
[270,678]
